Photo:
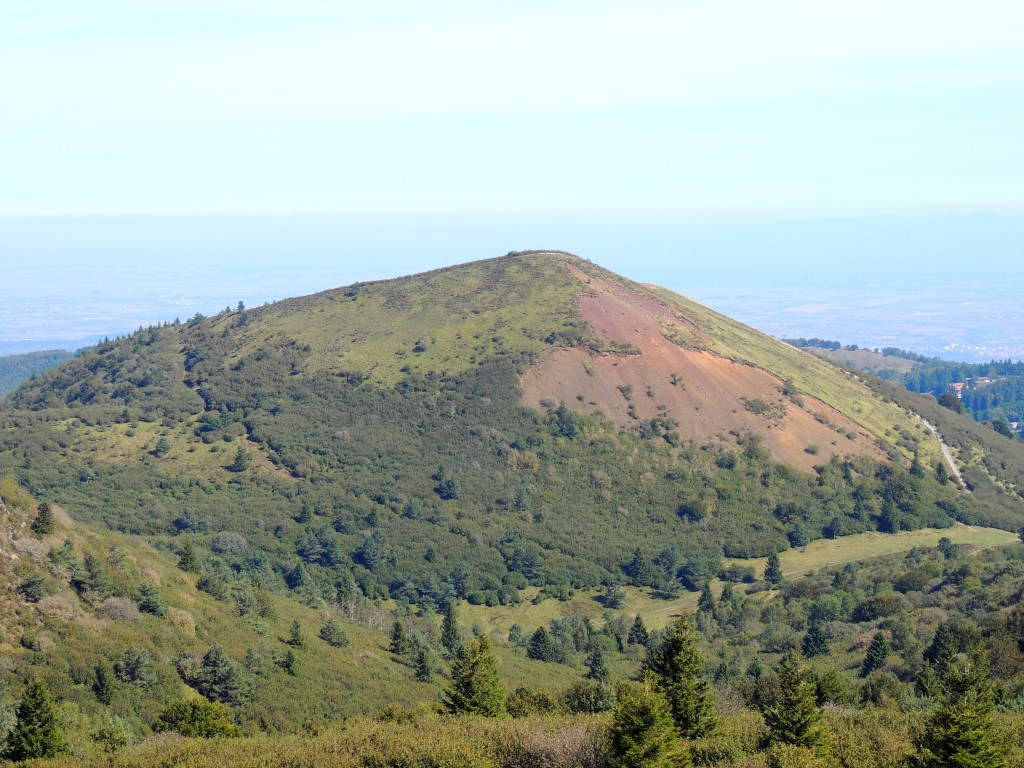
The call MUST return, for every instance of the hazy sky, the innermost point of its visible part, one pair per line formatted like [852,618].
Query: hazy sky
[734,109]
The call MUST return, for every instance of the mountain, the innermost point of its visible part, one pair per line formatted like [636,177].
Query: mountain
[14,369]
[530,419]
[243,505]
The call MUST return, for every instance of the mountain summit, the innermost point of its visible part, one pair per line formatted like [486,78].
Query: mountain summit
[533,418]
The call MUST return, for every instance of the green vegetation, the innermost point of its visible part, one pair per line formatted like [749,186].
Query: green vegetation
[274,520]
[14,369]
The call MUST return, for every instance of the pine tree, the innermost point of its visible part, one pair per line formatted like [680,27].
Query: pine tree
[425,665]
[187,559]
[678,671]
[163,447]
[959,734]
[451,638]
[220,679]
[794,717]
[476,688]
[37,733]
[773,570]
[541,646]
[290,663]
[597,665]
[44,522]
[149,601]
[103,684]
[706,601]
[296,637]
[643,734]
[638,634]
[815,642]
[241,461]
[332,634]
[399,640]
[878,652]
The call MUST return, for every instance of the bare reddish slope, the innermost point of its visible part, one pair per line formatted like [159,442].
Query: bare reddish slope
[710,396]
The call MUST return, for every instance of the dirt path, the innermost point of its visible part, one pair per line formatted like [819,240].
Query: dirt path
[946,453]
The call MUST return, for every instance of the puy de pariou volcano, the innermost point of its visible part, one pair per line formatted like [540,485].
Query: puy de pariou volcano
[530,419]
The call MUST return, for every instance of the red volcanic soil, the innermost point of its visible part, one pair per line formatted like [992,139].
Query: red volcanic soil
[709,394]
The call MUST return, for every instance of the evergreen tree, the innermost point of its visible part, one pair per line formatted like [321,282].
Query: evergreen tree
[773,570]
[163,447]
[638,634]
[541,646]
[91,580]
[44,522]
[103,684]
[476,688]
[706,601]
[241,461]
[290,663]
[187,559]
[149,601]
[678,671]
[830,688]
[953,638]
[815,642]
[220,679]
[643,735]
[37,733]
[451,637]
[794,717]
[597,665]
[135,666]
[425,665]
[296,637]
[878,652]
[332,634]
[960,733]
[399,640]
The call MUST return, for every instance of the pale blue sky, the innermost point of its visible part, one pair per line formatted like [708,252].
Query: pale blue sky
[725,109]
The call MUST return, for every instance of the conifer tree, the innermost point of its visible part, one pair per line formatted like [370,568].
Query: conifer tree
[960,733]
[220,679]
[773,569]
[643,734]
[296,637]
[638,634]
[187,559]
[794,717]
[476,688]
[37,733]
[425,665]
[541,646]
[44,522]
[706,601]
[149,600]
[815,642]
[103,684]
[290,663]
[451,638]
[241,461]
[878,652]
[678,671]
[597,665]
[332,634]
[399,640]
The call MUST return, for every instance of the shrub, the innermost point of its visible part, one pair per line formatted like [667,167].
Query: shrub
[197,718]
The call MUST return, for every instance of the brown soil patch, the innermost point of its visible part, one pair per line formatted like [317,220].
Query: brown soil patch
[709,397]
